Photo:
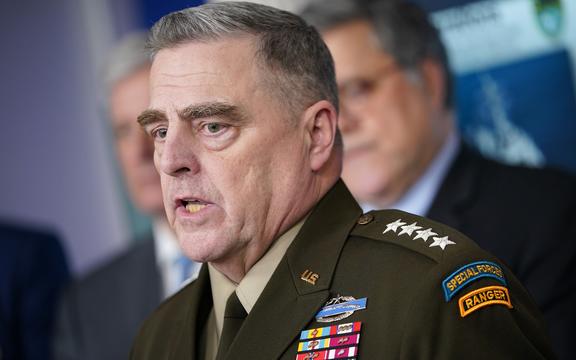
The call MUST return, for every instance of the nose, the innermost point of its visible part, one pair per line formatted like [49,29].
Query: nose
[176,155]
[348,121]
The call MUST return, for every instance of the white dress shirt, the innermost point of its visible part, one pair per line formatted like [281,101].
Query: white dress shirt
[168,260]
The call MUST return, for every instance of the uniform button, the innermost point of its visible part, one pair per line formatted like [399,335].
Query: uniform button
[365,219]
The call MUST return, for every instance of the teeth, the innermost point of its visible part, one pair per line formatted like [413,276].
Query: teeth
[192,208]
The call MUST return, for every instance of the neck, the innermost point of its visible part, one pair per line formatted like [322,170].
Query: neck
[238,263]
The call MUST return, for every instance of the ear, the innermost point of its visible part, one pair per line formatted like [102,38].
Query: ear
[320,121]
[434,82]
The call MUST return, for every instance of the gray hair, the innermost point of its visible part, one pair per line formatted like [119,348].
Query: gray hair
[403,30]
[300,64]
[125,58]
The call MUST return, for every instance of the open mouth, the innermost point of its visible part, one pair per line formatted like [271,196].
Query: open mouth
[193,206]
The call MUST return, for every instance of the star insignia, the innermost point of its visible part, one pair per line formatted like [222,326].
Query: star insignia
[393,226]
[424,234]
[409,229]
[442,242]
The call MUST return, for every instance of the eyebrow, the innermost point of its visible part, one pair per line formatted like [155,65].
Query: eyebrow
[212,109]
[151,116]
[192,112]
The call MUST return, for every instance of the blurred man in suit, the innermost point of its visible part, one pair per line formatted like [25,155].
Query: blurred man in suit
[33,271]
[102,312]
[402,150]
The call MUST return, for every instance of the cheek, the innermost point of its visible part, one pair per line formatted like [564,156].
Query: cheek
[403,114]
[164,186]
[248,187]
[156,160]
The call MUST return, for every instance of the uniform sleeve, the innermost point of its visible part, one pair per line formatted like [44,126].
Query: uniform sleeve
[484,318]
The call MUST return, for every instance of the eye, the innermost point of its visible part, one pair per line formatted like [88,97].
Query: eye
[159,133]
[213,128]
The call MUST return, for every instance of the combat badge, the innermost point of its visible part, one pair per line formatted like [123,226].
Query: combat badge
[339,308]
[454,282]
[491,295]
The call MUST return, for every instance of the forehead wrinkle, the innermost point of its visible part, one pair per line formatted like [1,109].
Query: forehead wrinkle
[212,109]
[188,75]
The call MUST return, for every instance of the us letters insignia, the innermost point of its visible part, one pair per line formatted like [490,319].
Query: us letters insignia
[339,308]
[477,299]
[309,276]
[454,282]
[330,342]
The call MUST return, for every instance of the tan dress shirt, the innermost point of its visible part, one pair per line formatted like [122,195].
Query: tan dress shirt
[248,290]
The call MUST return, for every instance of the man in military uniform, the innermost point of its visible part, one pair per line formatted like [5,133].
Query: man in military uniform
[402,151]
[243,114]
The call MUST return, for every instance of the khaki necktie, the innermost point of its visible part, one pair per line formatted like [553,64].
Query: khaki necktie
[234,316]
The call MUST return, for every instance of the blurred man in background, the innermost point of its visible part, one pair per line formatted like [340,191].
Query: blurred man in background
[33,272]
[402,150]
[101,313]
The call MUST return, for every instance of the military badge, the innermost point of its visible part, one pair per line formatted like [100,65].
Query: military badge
[339,308]
[454,282]
[343,353]
[439,241]
[331,342]
[331,330]
[490,295]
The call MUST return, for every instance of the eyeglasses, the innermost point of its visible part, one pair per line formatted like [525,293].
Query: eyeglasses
[355,93]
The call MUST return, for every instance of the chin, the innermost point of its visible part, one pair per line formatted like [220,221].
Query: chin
[366,189]
[202,246]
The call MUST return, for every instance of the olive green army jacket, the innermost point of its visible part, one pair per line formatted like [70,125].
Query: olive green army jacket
[390,285]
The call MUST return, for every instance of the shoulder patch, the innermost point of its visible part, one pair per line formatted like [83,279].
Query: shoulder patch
[477,299]
[466,274]
[411,231]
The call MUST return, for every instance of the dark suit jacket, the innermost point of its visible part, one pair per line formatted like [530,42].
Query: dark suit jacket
[407,316]
[33,270]
[527,218]
[100,314]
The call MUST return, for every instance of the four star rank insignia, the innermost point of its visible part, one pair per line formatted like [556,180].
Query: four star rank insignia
[437,241]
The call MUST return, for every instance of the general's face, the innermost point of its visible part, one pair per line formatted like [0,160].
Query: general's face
[135,150]
[232,162]
[387,115]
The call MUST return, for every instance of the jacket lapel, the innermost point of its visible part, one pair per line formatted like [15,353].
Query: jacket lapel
[186,345]
[457,190]
[289,303]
